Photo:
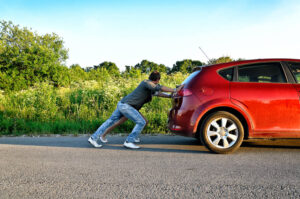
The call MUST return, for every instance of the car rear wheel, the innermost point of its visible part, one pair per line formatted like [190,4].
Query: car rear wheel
[222,132]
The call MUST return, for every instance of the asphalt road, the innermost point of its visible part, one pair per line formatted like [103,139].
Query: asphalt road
[166,167]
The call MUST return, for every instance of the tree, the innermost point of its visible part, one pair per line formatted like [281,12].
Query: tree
[220,60]
[130,71]
[77,73]
[147,66]
[27,58]
[186,66]
[109,66]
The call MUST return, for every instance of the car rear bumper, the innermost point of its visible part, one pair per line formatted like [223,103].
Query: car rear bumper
[179,123]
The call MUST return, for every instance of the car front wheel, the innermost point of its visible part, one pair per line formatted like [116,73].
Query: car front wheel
[222,132]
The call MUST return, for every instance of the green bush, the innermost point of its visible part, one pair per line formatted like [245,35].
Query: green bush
[80,107]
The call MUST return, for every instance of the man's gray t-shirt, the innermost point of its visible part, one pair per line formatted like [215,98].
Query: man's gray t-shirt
[142,94]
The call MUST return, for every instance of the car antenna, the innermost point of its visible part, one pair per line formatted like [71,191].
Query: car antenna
[204,54]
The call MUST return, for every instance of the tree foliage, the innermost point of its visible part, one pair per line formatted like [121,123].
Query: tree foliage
[147,66]
[223,59]
[77,73]
[186,66]
[131,71]
[109,66]
[27,58]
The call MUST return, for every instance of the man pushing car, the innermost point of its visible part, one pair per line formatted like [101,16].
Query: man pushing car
[129,108]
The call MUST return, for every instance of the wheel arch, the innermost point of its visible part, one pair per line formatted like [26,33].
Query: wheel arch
[227,109]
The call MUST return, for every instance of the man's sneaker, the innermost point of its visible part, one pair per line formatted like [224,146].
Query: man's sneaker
[94,143]
[130,145]
[103,140]
[136,140]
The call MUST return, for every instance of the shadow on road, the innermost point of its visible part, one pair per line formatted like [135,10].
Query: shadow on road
[160,143]
[280,143]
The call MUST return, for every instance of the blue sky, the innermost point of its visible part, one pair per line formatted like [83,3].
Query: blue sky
[126,32]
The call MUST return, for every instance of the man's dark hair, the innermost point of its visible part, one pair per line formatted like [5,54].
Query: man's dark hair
[154,76]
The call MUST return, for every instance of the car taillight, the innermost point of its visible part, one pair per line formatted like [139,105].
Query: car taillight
[184,92]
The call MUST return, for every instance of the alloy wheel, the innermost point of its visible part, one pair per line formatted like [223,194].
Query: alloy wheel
[222,133]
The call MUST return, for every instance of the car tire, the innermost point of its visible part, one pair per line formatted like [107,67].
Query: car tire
[222,132]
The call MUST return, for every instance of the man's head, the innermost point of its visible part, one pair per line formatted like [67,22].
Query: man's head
[154,76]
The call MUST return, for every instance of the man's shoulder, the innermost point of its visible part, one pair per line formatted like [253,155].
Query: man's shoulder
[149,82]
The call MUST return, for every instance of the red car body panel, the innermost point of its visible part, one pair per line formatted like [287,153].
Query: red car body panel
[273,108]
[269,110]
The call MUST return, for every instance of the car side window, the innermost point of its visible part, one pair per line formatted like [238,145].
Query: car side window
[227,74]
[295,67]
[263,72]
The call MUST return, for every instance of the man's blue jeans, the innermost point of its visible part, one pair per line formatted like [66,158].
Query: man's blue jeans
[127,111]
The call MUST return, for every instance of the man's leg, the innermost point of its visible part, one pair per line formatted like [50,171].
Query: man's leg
[108,123]
[134,115]
[108,130]
[137,139]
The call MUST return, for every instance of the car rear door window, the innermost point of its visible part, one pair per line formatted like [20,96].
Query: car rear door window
[227,74]
[295,68]
[263,72]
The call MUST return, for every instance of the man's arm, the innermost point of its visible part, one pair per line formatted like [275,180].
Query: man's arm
[167,89]
[161,94]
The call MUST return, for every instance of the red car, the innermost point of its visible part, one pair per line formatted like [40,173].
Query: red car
[224,104]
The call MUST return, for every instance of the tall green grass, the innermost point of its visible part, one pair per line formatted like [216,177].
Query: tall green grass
[79,108]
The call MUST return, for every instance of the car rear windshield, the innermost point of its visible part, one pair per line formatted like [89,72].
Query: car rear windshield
[191,76]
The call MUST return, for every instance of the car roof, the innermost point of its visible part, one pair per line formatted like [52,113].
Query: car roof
[250,61]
